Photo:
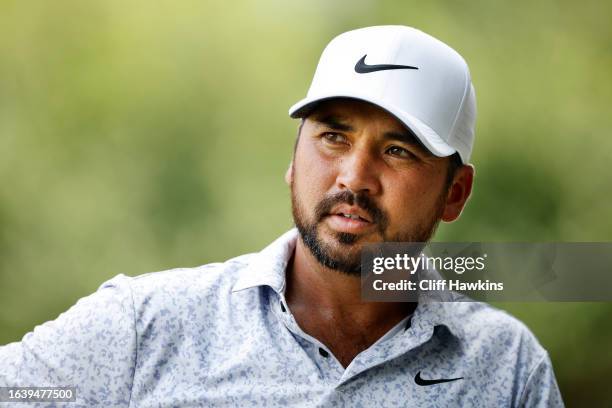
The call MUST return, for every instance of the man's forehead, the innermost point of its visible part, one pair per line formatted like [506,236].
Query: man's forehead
[353,110]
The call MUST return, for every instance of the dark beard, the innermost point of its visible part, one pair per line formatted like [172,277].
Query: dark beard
[343,259]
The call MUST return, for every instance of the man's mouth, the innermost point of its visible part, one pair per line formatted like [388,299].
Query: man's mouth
[353,217]
[352,212]
[349,219]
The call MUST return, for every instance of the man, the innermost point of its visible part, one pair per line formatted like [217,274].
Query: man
[382,155]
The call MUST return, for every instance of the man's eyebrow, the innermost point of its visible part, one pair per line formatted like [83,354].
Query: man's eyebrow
[406,137]
[333,122]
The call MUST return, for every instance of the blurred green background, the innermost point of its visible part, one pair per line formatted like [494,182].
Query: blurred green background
[138,136]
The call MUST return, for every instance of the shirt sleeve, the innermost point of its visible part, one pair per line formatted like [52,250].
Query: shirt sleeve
[92,347]
[542,389]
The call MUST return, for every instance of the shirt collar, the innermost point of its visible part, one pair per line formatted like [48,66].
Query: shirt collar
[268,267]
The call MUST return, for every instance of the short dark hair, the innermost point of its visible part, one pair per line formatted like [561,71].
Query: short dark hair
[297,139]
[454,164]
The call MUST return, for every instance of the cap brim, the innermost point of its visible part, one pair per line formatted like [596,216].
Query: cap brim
[430,139]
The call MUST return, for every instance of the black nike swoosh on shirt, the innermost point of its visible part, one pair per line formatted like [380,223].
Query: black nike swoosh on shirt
[362,68]
[420,381]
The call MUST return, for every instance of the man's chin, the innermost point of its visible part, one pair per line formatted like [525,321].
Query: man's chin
[345,245]
[334,251]
[342,257]
[345,239]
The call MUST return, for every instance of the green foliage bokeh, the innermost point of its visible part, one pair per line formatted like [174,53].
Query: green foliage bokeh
[140,136]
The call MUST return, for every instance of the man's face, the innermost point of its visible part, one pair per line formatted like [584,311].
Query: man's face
[355,160]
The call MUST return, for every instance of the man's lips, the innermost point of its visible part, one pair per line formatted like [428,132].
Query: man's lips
[340,223]
[349,219]
[352,212]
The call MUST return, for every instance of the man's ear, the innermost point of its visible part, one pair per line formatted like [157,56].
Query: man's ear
[289,173]
[458,193]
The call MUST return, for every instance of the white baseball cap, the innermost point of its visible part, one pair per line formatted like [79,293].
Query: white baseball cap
[415,77]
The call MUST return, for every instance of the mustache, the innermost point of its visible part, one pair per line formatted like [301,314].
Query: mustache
[361,200]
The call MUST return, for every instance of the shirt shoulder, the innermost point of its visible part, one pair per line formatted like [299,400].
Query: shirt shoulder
[208,279]
[500,345]
[184,295]
[483,325]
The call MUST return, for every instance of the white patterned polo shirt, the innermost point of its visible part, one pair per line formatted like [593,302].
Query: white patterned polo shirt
[221,335]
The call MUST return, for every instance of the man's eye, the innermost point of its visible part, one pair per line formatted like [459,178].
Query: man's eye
[334,137]
[400,152]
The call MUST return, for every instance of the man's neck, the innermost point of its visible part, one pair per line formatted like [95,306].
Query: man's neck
[333,297]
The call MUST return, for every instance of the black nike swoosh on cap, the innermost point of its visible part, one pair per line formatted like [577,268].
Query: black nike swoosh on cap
[362,68]
[420,381]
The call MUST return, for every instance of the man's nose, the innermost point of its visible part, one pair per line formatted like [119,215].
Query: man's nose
[357,172]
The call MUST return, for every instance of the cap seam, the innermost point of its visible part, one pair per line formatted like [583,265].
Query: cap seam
[465,92]
[388,80]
